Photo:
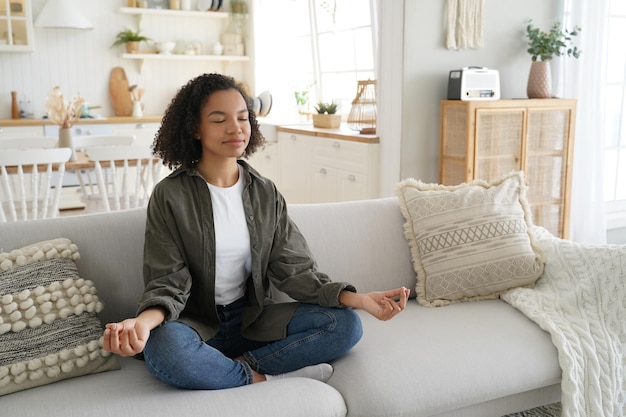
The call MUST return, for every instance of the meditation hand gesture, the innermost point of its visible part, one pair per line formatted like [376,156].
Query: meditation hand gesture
[383,305]
[126,338]
[129,337]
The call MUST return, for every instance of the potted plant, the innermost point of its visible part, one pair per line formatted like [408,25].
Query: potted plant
[130,39]
[542,47]
[326,116]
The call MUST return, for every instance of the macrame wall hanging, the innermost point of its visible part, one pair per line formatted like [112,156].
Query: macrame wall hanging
[465,24]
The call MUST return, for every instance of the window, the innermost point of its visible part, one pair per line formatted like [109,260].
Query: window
[317,47]
[614,86]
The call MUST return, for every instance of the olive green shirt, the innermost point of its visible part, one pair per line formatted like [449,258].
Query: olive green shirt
[179,257]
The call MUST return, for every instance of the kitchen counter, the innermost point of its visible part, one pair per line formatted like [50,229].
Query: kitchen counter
[84,121]
[342,133]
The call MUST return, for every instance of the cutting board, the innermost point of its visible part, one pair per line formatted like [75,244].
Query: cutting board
[118,90]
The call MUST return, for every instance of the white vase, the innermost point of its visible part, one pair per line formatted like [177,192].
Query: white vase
[137,109]
[65,141]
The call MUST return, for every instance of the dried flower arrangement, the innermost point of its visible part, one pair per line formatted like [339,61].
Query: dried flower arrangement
[61,112]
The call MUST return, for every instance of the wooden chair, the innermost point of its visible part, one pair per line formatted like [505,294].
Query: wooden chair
[29,142]
[31,182]
[81,143]
[133,172]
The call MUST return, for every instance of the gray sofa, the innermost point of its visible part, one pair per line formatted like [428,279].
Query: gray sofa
[474,359]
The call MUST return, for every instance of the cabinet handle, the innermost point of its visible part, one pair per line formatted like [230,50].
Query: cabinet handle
[351,178]
[323,171]
[1,130]
[337,145]
[292,137]
[268,157]
[140,126]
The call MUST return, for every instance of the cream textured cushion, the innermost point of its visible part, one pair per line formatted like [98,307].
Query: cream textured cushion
[49,330]
[470,241]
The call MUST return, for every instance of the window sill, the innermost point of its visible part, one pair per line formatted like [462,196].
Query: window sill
[616,220]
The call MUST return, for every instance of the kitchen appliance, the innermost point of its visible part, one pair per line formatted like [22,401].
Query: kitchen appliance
[474,83]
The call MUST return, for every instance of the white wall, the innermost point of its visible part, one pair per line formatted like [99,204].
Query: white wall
[81,61]
[426,64]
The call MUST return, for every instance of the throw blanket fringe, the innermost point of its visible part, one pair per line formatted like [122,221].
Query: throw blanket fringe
[581,301]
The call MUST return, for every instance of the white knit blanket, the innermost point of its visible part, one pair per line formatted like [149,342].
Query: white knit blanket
[581,301]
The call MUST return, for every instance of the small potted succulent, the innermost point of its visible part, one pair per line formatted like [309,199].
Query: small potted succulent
[130,39]
[326,116]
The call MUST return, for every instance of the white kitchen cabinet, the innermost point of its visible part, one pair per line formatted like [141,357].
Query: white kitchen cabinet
[80,129]
[266,161]
[144,132]
[327,168]
[20,131]
[16,26]
[342,170]
[294,152]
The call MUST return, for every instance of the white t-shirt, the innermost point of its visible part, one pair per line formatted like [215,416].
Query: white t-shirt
[232,242]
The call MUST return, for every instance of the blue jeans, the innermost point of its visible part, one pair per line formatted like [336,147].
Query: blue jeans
[176,354]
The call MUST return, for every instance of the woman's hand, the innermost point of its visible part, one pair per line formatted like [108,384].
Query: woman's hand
[126,338]
[383,305]
[129,337]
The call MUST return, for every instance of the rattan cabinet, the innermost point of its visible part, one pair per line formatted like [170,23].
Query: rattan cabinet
[489,139]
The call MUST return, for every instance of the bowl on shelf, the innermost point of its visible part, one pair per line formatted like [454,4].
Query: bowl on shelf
[165,48]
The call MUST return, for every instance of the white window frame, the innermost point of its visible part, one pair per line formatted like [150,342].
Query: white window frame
[318,89]
[616,208]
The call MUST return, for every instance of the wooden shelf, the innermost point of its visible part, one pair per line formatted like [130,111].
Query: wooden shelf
[185,57]
[225,59]
[173,13]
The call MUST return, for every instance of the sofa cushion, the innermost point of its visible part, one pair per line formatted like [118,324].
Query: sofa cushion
[49,330]
[470,241]
[434,361]
[133,391]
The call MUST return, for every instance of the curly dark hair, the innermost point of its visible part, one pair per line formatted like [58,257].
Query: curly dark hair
[175,141]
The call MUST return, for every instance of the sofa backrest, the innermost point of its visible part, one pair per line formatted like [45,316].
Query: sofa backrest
[111,251]
[361,242]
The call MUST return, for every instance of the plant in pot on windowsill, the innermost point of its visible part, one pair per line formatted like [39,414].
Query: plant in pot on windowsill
[326,116]
[130,39]
[542,47]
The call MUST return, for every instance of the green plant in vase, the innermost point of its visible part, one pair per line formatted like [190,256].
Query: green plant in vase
[131,39]
[542,47]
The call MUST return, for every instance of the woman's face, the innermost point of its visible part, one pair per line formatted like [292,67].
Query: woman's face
[224,129]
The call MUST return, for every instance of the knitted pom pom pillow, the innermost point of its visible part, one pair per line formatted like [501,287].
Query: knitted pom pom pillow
[49,330]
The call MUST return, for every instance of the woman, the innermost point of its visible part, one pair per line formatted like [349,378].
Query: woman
[217,234]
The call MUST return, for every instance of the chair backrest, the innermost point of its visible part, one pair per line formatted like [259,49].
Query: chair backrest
[29,142]
[83,142]
[133,170]
[31,182]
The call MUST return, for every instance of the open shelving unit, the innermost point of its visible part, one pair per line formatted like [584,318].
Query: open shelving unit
[141,13]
